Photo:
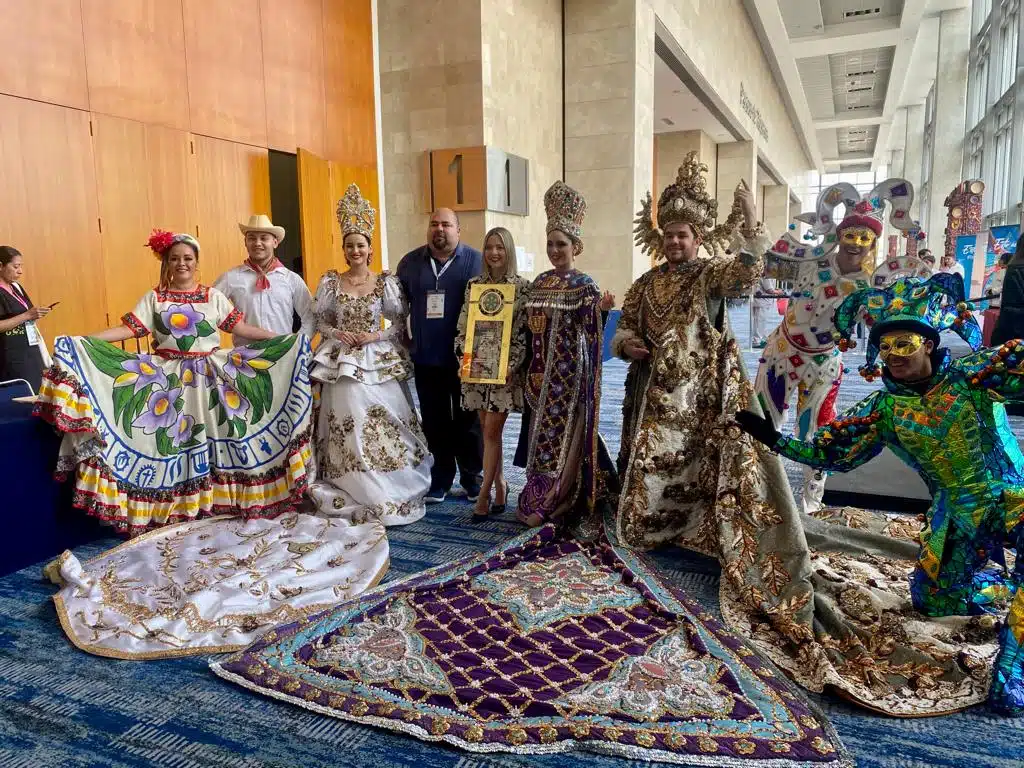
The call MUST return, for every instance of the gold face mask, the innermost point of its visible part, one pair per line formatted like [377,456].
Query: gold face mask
[862,237]
[899,344]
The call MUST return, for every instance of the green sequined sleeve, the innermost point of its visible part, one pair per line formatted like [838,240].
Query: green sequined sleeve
[999,370]
[856,436]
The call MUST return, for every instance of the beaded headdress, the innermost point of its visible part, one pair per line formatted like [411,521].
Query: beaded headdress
[686,201]
[922,306]
[565,209]
[161,241]
[355,214]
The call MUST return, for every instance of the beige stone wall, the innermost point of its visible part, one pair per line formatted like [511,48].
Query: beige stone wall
[522,104]
[671,150]
[720,39]
[431,98]
[609,128]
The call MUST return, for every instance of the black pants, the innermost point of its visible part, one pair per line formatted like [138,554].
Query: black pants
[453,435]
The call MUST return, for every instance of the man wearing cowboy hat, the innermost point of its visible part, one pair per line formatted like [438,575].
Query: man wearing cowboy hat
[269,294]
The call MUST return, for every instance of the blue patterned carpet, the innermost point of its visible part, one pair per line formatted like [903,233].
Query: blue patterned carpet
[62,707]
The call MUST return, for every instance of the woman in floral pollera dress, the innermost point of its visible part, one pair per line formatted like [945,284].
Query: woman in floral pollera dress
[189,430]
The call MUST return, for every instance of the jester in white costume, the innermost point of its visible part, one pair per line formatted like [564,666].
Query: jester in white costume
[802,354]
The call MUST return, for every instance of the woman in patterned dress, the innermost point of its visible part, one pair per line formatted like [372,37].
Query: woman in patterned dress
[494,402]
[563,376]
[189,430]
[373,461]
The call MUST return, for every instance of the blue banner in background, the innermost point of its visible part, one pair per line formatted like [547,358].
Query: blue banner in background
[965,255]
[1002,241]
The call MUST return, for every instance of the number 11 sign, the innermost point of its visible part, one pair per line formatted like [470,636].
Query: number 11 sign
[477,179]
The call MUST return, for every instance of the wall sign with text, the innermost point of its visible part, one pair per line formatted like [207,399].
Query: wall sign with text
[477,179]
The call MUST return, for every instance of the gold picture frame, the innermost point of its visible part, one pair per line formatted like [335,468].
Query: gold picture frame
[488,333]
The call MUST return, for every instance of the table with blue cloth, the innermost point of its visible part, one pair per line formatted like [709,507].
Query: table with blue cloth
[36,516]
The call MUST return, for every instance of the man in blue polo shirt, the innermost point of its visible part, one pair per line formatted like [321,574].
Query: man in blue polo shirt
[434,278]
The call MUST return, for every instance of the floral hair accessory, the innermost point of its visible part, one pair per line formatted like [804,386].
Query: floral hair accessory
[161,241]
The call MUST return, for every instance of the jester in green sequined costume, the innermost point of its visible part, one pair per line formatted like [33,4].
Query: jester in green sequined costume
[950,425]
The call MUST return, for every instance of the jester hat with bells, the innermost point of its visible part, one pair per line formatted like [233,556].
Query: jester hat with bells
[910,304]
[867,212]
[686,200]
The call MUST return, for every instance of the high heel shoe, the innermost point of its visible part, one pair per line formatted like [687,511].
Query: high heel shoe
[499,509]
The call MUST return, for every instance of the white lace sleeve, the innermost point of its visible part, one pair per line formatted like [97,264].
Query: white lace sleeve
[395,308]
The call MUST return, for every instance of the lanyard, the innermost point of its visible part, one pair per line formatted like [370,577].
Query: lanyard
[14,293]
[438,275]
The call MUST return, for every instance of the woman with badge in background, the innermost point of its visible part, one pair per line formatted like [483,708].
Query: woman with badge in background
[494,402]
[21,345]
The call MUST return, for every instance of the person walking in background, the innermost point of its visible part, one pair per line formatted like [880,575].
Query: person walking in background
[434,278]
[1010,323]
[269,294]
[926,256]
[22,351]
[950,266]
[494,402]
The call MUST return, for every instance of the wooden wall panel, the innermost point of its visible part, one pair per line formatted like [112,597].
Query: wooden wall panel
[348,60]
[171,178]
[225,69]
[48,210]
[366,177]
[135,53]
[293,64]
[320,252]
[145,178]
[43,56]
[123,192]
[233,182]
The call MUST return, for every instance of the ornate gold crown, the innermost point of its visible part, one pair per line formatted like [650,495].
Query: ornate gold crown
[687,201]
[355,214]
[565,208]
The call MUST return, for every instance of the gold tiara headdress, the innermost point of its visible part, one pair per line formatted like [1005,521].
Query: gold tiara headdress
[355,214]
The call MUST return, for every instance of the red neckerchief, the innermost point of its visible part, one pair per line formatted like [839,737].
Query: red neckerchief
[262,281]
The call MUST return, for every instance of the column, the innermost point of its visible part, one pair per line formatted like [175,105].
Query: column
[673,147]
[736,160]
[913,157]
[609,129]
[896,164]
[950,124]
[776,209]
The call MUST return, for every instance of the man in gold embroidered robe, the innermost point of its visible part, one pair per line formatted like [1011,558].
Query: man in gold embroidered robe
[826,602]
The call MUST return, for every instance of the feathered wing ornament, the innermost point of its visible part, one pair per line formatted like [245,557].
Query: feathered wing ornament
[646,234]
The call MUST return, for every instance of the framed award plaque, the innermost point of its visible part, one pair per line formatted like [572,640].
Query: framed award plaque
[488,333]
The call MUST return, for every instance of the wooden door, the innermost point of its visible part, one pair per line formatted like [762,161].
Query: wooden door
[366,177]
[233,183]
[145,179]
[48,211]
[317,219]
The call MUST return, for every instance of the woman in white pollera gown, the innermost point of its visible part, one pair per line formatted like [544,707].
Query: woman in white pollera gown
[372,456]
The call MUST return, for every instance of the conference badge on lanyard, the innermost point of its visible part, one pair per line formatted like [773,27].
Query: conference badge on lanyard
[32,334]
[435,298]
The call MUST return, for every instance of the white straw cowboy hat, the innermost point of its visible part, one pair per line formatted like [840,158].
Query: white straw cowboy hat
[262,223]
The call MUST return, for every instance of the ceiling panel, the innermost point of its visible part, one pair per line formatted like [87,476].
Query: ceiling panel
[816,77]
[838,11]
[828,143]
[802,17]
[858,139]
[860,80]
[676,108]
